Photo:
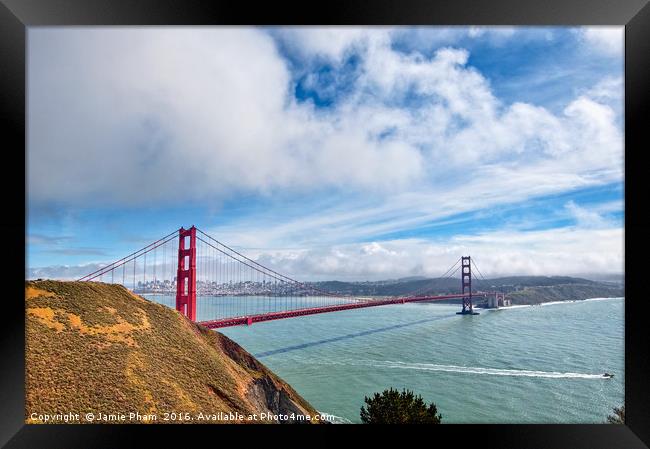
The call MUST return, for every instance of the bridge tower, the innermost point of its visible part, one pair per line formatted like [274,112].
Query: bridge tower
[466,286]
[186,273]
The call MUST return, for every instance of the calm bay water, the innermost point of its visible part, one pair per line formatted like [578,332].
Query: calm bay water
[540,364]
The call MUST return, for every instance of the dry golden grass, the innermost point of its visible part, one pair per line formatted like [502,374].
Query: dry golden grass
[93,347]
[32,292]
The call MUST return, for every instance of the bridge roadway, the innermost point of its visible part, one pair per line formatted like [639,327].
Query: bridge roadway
[250,319]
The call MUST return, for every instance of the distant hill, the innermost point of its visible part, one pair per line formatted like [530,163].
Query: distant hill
[93,347]
[564,292]
[391,288]
[521,289]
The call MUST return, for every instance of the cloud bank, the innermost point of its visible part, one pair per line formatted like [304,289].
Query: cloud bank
[210,112]
[410,136]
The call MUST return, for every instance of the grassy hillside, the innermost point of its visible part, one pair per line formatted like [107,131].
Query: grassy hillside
[98,348]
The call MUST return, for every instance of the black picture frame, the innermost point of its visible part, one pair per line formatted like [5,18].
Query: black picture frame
[17,15]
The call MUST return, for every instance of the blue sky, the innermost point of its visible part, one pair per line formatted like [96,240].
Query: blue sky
[330,153]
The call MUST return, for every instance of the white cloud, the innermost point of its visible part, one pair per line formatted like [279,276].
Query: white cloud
[330,42]
[585,217]
[141,116]
[604,39]
[564,251]
[162,116]
[61,272]
[497,34]
[188,113]
[609,88]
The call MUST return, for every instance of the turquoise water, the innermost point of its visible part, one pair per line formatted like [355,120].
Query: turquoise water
[540,364]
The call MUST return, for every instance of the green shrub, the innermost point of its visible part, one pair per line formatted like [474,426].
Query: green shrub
[618,417]
[393,407]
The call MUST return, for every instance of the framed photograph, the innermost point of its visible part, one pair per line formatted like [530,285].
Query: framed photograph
[412,213]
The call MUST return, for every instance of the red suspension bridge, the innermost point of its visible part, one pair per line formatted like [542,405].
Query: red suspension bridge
[214,284]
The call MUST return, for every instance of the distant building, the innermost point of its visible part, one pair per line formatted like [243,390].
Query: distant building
[498,300]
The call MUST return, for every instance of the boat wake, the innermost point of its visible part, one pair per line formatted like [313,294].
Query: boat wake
[469,369]
[334,419]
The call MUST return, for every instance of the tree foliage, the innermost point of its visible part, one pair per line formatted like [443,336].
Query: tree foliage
[394,407]
[618,417]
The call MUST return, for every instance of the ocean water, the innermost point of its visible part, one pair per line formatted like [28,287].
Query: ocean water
[539,364]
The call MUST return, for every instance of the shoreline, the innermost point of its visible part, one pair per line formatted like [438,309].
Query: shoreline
[550,303]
